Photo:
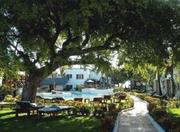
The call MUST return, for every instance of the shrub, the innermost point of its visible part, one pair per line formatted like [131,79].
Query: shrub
[79,88]
[172,103]
[118,89]
[157,108]
[9,98]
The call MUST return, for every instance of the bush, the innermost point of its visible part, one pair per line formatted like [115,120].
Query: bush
[172,103]
[158,109]
[118,89]
[79,88]
[9,98]
[4,90]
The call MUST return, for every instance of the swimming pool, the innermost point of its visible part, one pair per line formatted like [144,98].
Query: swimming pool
[86,94]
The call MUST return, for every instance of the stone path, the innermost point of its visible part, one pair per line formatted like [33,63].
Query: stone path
[136,119]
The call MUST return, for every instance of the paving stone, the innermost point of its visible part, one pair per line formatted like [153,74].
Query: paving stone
[135,120]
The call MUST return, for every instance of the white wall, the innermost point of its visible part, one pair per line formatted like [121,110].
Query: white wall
[58,87]
[87,73]
[74,71]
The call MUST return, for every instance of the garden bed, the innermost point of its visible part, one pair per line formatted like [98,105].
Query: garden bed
[163,111]
[86,116]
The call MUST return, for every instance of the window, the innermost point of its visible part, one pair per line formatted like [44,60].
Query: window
[69,76]
[79,76]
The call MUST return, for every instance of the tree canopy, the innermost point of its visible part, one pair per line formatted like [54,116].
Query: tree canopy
[44,34]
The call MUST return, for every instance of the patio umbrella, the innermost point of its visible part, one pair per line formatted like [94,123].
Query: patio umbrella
[90,81]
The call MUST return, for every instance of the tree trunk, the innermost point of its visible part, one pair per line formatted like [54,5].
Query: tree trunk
[159,80]
[159,83]
[34,79]
[169,70]
[173,82]
[29,90]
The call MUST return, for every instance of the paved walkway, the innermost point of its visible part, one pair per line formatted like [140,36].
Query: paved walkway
[136,119]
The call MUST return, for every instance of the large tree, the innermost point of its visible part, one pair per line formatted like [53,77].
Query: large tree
[161,49]
[43,35]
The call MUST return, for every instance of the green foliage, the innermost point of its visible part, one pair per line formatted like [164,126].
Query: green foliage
[156,104]
[129,103]
[43,35]
[120,75]
[63,123]
[145,72]
[34,25]
[173,103]
[118,89]
[67,122]
[10,98]
[174,112]
[163,111]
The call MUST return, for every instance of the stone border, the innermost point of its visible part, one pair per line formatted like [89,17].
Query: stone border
[116,125]
[155,124]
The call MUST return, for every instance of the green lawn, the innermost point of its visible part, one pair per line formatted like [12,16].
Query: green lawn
[62,123]
[174,112]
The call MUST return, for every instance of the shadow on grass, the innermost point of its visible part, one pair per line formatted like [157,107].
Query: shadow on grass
[6,114]
[62,123]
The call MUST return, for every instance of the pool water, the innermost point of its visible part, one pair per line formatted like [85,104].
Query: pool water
[86,94]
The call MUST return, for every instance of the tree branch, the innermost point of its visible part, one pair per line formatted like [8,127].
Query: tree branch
[37,59]
[106,45]
[80,51]
[69,40]
[86,40]
[108,41]
[53,15]
[24,56]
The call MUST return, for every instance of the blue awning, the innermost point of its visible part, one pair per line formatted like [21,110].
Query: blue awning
[56,81]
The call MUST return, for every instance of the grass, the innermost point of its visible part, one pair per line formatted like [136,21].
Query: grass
[174,112]
[62,123]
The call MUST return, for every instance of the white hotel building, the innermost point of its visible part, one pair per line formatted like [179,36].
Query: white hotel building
[78,76]
[73,77]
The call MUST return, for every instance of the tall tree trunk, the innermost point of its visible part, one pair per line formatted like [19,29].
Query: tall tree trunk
[159,80]
[29,90]
[173,83]
[169,70]
[159,83]
[33,81]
